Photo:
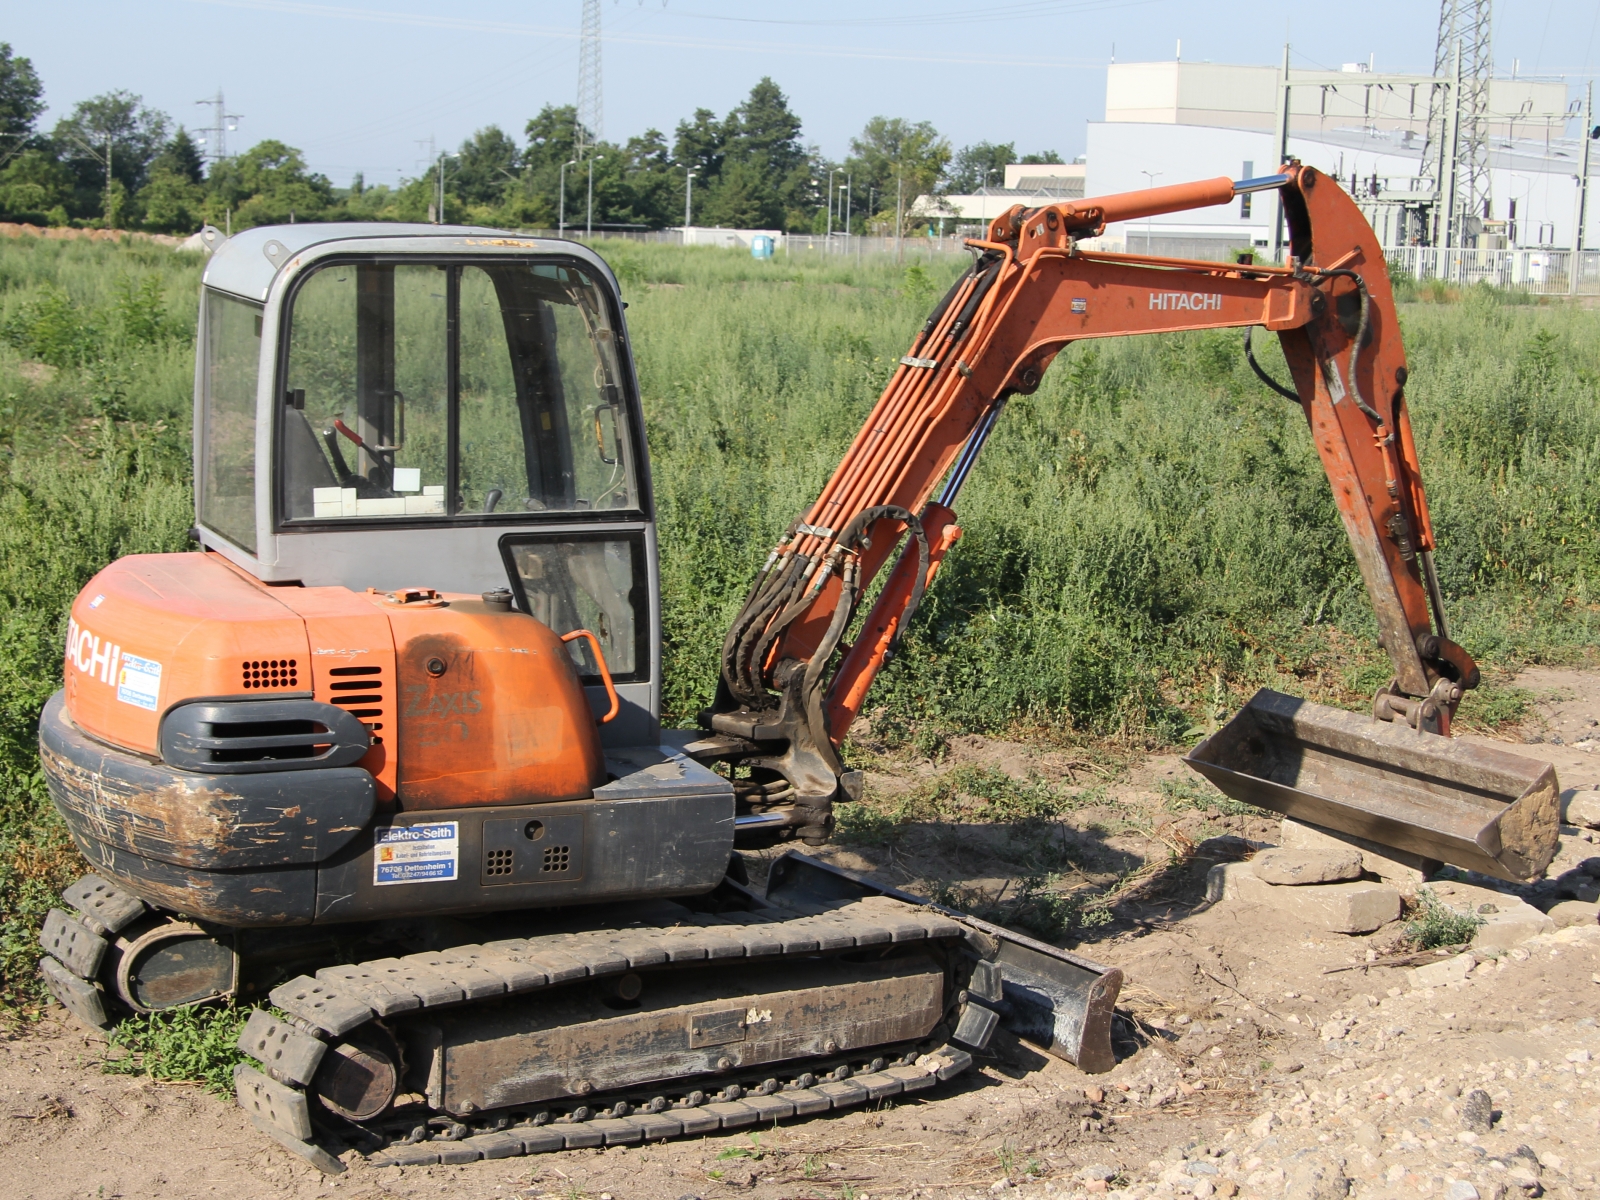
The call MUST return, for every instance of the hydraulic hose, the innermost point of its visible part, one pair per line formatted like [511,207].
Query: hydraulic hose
[1261,373]
[849,597]
[1361,333]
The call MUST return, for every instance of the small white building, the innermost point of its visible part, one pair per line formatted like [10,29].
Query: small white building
[734,239]
[1024,183]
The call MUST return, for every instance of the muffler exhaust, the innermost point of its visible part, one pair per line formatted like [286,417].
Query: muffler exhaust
[1474,807]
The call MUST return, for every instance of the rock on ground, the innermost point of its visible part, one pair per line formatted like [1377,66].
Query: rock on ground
[1296,867]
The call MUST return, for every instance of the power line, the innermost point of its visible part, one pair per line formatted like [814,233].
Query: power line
[216,139]
[591,97]
[1456,155]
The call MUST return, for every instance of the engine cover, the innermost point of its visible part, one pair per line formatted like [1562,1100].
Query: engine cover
[464,704]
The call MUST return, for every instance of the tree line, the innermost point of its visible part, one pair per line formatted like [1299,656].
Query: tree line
[114,162]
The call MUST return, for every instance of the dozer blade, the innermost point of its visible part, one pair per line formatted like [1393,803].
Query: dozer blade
[1471,806]
[1055,999]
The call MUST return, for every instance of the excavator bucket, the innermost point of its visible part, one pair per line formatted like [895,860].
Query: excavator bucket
[1433,797]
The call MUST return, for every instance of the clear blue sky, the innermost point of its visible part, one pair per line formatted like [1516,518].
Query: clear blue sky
[359,84]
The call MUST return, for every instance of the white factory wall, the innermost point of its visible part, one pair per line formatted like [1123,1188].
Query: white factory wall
[1246,97]
[1120,152]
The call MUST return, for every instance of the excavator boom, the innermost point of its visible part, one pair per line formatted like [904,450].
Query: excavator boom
[1033,289]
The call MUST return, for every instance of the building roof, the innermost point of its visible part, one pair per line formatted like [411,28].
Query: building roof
[989,203]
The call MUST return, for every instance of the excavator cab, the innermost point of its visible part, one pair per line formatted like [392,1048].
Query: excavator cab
[442,409]
[415,669]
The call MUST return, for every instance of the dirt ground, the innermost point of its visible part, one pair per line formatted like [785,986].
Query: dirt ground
[1272,1060]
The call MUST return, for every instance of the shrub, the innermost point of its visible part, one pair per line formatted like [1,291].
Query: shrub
[1437,924]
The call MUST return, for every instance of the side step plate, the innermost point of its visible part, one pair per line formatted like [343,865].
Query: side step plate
[1471,806]
[1056,1000]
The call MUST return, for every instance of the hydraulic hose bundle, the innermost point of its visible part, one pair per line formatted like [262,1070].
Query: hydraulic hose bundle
[825,546]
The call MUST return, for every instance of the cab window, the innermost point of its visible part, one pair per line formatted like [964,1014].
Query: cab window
[226,480]
[438,390]
[596,582]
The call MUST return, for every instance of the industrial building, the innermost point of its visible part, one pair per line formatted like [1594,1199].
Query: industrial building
[1023,183]
[1170,121]
[1453,171]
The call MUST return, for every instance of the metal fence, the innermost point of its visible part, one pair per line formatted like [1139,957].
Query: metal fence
[861,246]
[1545,272]
[855,246]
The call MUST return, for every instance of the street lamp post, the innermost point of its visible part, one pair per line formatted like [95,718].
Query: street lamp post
[561,203]
[831,174]
[688,200]
[1149,224]
[442,157]
[899,213]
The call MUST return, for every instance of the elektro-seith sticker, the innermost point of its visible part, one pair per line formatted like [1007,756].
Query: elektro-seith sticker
[416,853]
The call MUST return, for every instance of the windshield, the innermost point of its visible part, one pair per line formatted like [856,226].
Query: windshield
[452,389]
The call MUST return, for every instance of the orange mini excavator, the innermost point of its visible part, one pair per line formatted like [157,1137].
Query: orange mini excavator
[384,757]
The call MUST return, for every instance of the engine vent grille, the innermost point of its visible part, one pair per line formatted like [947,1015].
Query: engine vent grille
[271,673]
[359,691]
[556,858]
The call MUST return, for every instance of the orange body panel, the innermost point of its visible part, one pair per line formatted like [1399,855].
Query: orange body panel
[154,629]
[353,666]
[467,705]
[491,710]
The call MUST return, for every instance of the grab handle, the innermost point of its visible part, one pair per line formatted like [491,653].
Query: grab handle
[605,671]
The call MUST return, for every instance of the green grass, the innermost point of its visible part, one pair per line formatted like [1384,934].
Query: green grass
[185,1045]
[1148,538]
[1188,794]
[96,374]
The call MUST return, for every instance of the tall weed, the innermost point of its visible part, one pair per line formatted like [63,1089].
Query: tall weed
[1148,538]
[93,465]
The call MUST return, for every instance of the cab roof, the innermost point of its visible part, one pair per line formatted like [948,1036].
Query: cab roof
[248,262]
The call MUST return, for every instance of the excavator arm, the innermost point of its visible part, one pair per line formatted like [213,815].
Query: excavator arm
[783,706]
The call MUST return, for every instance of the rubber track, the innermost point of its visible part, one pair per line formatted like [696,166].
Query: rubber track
[712,1116]
[340,999]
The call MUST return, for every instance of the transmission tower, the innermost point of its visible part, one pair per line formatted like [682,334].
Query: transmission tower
[216,140]
[1456,155]
[591,100]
